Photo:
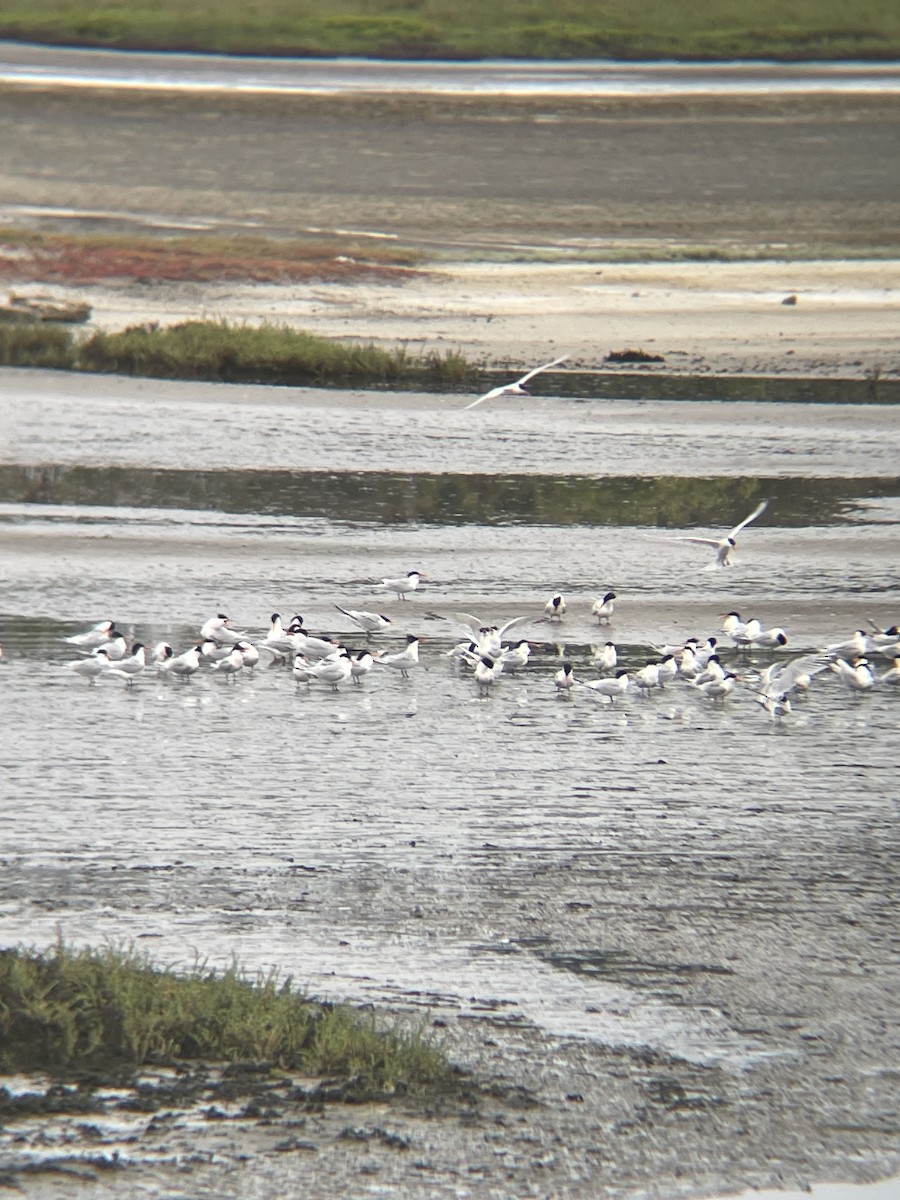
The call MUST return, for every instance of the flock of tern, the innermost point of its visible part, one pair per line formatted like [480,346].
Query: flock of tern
[488,654]
[711,667]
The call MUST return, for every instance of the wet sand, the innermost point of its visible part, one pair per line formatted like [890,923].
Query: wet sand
[465,179]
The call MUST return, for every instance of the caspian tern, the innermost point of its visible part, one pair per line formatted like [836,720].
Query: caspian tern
[302,669]
[404,584]
[719,689]
[609,690]
[402,660]
[183,665]
[724,547]
[487,672]
[564,679]
[606,657]
[516,656]
[218,629]
[361,663]
[488,639]
[778,681]
[858,675]
[335,670]
[555,608]
[603,609]
[769,639]
[647,678]
[97,635]
[231,663]
[128,668]
[369,622]
[90,667]
[855,647]
[517,388]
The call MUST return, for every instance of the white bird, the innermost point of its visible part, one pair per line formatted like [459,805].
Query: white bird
[719,689]
[858,676]
[778,681]
[160,654]
[885,641]
[313,647]
[230,664]
[183,665]
[361,663]
[712,670]
[609,690]
[647,678]
[97,635]
[517,388]
[703,651]
[487,672]
[515,657]
[606,657]
[564,679]
[603,609]
[667,669]
[218,629]
[892,677]
[302,669]
[249,653]
[688,666]
[856,646]
[369,622]
[404,584]
[402,660]
[724,547]
[742,636]
[128,668]
[280,642]
[117,647]
[488,639]
[555,608]
[90,667]
[335,670]
[769,639]
[211,652]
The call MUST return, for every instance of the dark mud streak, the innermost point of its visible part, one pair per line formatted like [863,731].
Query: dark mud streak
[387,497]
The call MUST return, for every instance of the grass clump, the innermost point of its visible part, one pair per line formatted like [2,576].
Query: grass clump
[69,1010]
[221,352]
[629,29]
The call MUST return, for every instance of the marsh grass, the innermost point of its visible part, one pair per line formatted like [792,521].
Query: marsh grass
[68,1010]
[630,29]
[221,352]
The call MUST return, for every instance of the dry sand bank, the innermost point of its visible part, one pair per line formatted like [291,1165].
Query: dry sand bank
[702,318]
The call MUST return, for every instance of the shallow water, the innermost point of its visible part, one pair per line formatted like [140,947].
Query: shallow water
[22,62]
[665,873]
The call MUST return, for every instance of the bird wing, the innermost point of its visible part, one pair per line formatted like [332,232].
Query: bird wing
[700,541]
[783,680]
[467,621]
[544,367]
[760,508]
[515,621]
[497,391]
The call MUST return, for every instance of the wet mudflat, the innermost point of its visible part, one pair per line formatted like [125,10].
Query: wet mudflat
[664,930]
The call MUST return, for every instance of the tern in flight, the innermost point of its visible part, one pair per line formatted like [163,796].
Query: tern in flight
[724,547]
[518,388]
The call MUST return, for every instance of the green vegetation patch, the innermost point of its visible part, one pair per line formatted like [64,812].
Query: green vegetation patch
[221,352]
[629,29]
[70,1010]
